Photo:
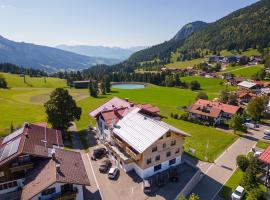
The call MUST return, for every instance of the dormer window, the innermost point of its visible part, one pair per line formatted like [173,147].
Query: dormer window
[2,174]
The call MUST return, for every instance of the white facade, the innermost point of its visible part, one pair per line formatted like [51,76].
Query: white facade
[12,189]
[145,173]
[57,187]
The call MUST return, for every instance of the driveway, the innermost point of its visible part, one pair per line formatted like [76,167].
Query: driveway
[222,169]
[129,185]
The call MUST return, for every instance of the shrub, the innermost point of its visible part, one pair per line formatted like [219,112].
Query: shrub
[194,85]
[242,162]
[175,116]
[255,194]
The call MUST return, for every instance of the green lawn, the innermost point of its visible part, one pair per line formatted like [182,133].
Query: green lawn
[17,81]
[245,71]
[261,144]
[231,184]
[184,64]
[248,53]
[26,104]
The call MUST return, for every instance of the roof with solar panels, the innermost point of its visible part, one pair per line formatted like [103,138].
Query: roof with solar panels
[32,139]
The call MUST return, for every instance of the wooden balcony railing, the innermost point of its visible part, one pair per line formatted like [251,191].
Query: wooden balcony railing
[21,167]
[134,155]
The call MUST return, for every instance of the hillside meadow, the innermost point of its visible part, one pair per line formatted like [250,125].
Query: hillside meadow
[20,104]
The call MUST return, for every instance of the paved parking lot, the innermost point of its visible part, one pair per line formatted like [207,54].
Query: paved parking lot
[129,185]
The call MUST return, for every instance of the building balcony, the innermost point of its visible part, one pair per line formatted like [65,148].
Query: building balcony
[133,155]
[21,167]
[119,142]
[67,195]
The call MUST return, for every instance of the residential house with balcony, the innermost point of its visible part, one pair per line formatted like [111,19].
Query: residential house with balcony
[213,112]
[139,140]
[29,152]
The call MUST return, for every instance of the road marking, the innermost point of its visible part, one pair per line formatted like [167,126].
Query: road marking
[92,169]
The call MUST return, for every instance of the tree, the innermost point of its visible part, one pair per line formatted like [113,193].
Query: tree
[102,87]
[256,107]
[236,123]
[242,162]
[93,88]
[177,80]
[3,83]
[194,85]
[61,109]
[224,96]
[243,60]
[232,99]
[193,197]
[249,180]
[107,81]
[11,127]
[255,194]
[202,95]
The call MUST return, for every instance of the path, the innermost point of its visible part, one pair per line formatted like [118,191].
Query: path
[222,169]
[76,141]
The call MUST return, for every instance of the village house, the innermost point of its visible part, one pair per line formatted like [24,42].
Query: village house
[33,165]
[244,96]
[136,138]
[213,112]
[248,86]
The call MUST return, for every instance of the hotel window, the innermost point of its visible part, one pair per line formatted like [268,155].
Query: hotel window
[168,134]
[148,161]
[173,142]
[164,145]
[2,174]
[177,150]
[168,154]
[157,167]
[157,157]
[154,149]
[173,161]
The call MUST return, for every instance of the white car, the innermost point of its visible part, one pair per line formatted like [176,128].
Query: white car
[113,173]
[238,193]
[257,154]
[266,132]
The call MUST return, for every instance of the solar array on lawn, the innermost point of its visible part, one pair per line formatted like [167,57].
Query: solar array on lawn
[13,135]
[10,149]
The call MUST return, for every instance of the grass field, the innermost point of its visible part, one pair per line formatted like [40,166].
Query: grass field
[26,104]
[37,82]
[261,144]
[184,64]
[245,71]
[248,53]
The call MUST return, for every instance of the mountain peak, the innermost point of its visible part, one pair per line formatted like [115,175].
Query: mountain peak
[188,29]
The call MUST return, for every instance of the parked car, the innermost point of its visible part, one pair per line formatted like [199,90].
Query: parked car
[173,173]
[160,180]
[266,132]
[113,173]
[238,193]
[147,186]
[266,137]
[251,125]
[257,154]
[105,166]
[99,153]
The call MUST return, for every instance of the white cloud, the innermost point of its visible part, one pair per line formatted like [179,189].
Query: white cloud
[5,6]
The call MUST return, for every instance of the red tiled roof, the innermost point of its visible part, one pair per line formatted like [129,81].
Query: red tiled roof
[206,111]
[113,103]
[265,156]
[35,140]
[221,106]
[149,108]
[113,116]
[71,170]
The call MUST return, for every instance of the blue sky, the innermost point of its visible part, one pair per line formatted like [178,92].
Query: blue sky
[123,23]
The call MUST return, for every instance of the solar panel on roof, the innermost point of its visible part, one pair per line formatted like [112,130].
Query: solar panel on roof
[13,135]
[10,149]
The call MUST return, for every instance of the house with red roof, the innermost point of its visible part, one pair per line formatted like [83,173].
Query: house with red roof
[213,112]
[34,165]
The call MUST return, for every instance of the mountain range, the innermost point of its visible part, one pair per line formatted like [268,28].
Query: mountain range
[116,53]
[245,28]
[44,57]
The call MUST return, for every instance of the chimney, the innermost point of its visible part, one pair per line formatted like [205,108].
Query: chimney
[58,167]
[26,126]
[53,154]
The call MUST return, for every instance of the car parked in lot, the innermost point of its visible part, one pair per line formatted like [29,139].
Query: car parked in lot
[173,173]
[105,166]
[266,132]
[113,173]
[266,137]
[238,193]
[251,125]
[99,153]
[147,186]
